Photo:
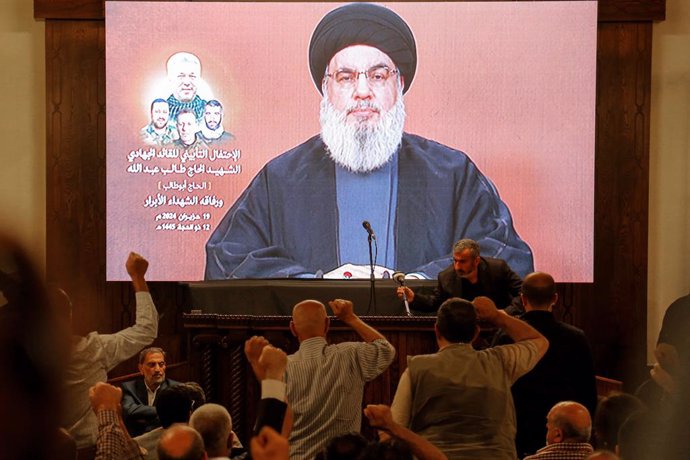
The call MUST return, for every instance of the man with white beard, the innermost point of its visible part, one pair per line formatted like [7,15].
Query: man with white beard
[302,214]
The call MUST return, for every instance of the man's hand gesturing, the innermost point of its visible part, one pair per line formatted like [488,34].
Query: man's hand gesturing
[342,309]
[273,361]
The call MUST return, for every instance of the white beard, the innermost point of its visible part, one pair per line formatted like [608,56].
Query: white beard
[361,147]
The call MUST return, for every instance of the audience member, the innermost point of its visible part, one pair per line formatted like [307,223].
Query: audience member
[469,276]
[181,442]
[565,373]
[33,352]
[346,446]
[66,446]
[269,445]
[380,417]
[173,404]
[568,429]
[459,398]
[387,450]
[325,383]
[93,356]
[602,455]
[611,412]
[270,367]
[214,424]
[139,395]
[639,438]
[113,442]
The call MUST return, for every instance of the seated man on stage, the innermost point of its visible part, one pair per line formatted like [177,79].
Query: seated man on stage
[138,396]
[469,276]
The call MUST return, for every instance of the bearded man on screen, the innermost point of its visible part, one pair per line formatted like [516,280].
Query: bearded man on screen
[301,215]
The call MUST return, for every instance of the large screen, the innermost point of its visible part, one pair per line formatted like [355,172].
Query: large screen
[224,160]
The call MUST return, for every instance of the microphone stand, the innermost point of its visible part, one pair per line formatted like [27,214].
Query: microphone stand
[372,277]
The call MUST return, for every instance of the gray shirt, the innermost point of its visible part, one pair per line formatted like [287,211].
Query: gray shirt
[459,399]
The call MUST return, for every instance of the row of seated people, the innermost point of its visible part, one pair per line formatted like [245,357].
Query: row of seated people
[458,399]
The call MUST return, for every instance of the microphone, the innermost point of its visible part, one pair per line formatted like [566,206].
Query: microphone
[399,278]
[367,227]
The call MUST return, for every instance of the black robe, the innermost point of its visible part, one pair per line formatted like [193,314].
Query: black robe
[285,224]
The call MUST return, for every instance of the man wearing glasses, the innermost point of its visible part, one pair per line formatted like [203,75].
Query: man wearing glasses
[302,214]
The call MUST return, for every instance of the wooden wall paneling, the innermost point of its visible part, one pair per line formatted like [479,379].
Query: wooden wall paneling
[632,10]
[75,179]
[615,315]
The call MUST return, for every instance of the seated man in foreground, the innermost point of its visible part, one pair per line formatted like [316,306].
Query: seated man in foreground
[458,398]
[138,396]
[325,383]
[568,428]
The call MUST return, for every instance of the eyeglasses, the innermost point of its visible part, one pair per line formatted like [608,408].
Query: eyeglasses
[376,76]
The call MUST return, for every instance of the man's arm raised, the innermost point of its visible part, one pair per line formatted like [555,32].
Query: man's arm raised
[518,330]
[343,310]
[136,269]
[380,417]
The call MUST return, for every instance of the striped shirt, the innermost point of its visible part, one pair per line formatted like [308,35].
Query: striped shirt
[325,384]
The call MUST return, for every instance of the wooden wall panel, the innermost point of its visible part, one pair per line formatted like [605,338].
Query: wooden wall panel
[75,176]
[617,317]
[75,187]
[612,310]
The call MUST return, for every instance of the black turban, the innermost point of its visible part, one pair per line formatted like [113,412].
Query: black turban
[363,24]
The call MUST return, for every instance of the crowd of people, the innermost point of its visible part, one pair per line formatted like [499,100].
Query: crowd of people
[530,395]
[527,393]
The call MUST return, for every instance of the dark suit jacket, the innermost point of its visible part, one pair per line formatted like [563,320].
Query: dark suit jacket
[139,417]
[565,373]
[495,280]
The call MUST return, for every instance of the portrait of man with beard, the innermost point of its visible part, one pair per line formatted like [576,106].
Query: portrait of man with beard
[159,131]
[302,214]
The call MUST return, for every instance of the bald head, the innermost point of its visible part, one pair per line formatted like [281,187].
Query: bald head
[538,291]
[568,421]
[309,319]
[181,442]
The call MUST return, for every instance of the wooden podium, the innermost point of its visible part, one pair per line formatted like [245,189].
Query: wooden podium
[217,361]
